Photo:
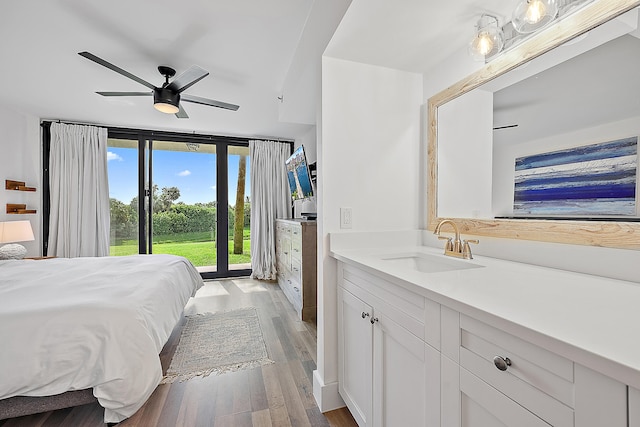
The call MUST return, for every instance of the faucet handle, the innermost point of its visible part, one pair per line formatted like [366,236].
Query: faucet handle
[449,245]
[466,249]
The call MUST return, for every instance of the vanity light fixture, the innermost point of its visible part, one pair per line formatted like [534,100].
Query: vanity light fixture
[488,39]
[530,15]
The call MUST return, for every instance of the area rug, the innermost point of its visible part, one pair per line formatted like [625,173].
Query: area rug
[215,343]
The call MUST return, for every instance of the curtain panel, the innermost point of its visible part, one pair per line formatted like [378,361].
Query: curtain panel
[270,199]
[79,191]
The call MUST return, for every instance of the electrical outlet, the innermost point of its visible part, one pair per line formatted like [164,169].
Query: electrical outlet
[345,217]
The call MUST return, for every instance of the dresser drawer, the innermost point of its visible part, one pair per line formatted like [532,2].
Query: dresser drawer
[535,378]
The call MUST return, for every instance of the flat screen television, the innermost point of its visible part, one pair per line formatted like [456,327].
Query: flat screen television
[299,175]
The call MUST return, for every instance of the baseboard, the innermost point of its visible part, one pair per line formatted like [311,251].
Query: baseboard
[326,395]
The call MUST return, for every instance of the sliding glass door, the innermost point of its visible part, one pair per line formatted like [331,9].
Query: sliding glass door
[193,197]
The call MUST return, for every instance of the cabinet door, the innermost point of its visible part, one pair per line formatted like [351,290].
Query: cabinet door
[355,338]
[406,377]
[482,405]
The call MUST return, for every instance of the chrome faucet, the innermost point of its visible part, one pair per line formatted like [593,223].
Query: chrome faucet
[457,248]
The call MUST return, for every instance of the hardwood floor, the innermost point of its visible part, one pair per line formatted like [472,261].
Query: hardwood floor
[276,395]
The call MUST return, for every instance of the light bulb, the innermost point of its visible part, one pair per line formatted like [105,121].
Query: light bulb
[536,10]
[166,108]
[484,44]
[488,39]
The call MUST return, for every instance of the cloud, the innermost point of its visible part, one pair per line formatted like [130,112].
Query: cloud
[185,172]
[113,156]
[213,187]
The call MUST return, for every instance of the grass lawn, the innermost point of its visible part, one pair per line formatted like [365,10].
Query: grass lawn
[196,247]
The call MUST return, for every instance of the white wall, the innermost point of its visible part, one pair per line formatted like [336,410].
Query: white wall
[465,146]
[20,160]
[368,161]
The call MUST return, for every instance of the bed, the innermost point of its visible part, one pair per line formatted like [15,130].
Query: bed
[90,323]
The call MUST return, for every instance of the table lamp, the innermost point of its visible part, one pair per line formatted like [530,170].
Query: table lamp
[14,231]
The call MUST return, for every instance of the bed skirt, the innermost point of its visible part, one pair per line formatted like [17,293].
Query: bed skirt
[19,406]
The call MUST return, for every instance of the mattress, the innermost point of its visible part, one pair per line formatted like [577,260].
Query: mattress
[76,323]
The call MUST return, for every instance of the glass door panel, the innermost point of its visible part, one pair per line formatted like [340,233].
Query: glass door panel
[239,182]
[122,166]
[183,194]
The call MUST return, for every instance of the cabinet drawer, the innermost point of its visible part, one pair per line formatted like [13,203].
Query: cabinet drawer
[296,269]
[296,239]
[481,406]
[537,379]
[291,290]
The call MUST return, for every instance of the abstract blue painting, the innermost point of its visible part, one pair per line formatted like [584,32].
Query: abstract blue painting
[591,180]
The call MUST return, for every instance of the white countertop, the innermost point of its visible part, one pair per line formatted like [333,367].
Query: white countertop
[592,320]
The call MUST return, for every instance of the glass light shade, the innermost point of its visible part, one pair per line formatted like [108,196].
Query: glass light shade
[166,100]
[166,108]
[16,231]
[531,15]
[488,39]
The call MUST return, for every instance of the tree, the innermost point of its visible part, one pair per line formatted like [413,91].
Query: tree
[164,202]
[239,208]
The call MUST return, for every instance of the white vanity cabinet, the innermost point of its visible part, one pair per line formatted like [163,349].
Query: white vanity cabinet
[506,381]
[388,374]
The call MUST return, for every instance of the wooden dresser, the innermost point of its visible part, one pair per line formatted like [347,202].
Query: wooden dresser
[296,257]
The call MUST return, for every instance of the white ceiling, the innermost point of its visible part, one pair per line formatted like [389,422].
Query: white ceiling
[411,35]
[247,46]
[250,47]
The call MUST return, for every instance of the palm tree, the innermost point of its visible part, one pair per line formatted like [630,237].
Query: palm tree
[239,209]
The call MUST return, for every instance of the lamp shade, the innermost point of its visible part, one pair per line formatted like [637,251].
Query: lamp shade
[488,39]
[166,101]
[16,231]
[530,15]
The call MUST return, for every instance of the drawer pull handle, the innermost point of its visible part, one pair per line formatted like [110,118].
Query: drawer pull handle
[297,289]
[502,363]
[373,320]
[364,315]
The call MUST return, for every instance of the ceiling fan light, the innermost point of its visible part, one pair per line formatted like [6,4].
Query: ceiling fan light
[530,15]
[166,108]
[166,101]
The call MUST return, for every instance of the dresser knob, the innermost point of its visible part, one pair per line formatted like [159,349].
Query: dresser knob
[364,315]
[502,363]
[373,320]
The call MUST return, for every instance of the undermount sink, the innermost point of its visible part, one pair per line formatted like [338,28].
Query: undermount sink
[428,263]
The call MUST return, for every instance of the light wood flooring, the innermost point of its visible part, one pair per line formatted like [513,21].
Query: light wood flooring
[276,395]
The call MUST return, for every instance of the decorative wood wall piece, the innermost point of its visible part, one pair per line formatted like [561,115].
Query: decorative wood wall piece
[17,186]
[14,208]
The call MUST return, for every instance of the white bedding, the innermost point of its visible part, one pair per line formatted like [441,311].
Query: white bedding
[72,324]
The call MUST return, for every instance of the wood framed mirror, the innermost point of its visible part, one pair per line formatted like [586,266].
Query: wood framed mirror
[623,233]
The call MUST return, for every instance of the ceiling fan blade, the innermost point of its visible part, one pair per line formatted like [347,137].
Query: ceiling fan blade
[181,114]
[211,102]
[125,93]
[187,79]
[505,127]
[115,68]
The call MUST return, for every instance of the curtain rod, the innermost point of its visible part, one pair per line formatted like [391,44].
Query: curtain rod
[169,133]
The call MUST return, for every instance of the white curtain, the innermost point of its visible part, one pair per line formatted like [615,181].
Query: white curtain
[270,199]
[79,191]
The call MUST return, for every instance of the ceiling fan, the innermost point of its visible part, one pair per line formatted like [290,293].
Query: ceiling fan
[166,98]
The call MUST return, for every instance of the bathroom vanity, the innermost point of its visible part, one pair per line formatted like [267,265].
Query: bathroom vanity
[430,340]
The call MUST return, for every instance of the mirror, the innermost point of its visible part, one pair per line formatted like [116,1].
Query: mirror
[477,162]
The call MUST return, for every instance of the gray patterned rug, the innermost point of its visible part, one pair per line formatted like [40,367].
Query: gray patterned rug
[215,343]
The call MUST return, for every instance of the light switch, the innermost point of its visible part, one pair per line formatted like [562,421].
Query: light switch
[345,217]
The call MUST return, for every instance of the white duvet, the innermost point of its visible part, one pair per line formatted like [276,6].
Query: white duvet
[71,324]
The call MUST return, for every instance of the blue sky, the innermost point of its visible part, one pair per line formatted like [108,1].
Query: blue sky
[193,173]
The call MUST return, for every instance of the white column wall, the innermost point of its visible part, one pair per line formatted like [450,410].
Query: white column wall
[20,160]
[465,140]
[368,154]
